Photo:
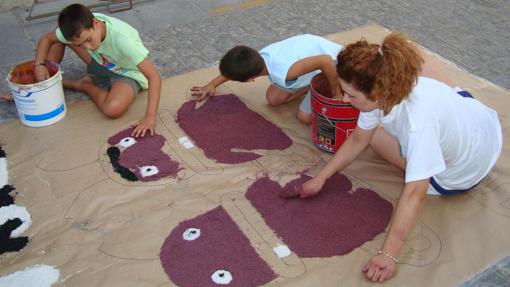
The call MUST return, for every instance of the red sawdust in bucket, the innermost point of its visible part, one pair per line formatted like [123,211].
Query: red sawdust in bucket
[321,85]
[24,73]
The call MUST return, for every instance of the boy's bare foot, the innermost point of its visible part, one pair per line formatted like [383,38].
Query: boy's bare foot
[6,97]
[76,84]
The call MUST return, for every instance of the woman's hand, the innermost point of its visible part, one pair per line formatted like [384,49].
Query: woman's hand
[380,268]
[311,187]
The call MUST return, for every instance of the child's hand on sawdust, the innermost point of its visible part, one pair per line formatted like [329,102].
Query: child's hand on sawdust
[379,269]
[147,124]
[311,187]
[202,92]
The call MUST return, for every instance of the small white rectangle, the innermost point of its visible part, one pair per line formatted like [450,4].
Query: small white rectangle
[282,251]
[188,145]
[184,141]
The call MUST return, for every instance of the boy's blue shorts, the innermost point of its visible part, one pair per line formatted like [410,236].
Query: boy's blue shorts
[104,78]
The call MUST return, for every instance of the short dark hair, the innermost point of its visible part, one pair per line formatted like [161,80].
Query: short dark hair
[73,18]
[241,63]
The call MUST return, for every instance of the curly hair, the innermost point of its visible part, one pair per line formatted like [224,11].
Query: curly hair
[385,73]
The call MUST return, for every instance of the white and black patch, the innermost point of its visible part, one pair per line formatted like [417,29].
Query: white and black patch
[14,219]
[221,277]
[191,234]
[149,170]
[127,142]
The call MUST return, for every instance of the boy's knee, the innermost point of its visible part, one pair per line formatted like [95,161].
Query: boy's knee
[113,110]
[304,117]
[276,96]
[273,100]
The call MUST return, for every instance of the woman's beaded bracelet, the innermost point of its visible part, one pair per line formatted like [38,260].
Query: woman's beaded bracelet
[394,259]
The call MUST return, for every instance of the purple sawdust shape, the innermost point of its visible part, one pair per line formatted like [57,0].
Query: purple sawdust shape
[216,248]
[141,156]
[224,123]
[332,223]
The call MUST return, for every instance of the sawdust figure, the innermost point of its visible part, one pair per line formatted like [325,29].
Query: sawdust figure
[140,158]
[85,149]
[335,222]
[211,250]
[224,123]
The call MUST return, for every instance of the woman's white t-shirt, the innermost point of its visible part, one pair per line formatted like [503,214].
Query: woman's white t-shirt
[456,140]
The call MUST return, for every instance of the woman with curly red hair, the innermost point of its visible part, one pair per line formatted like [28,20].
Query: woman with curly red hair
[444,139]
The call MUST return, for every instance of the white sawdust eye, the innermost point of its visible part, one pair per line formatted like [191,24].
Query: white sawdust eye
[221,277]
[191,234]
[127,142]
[148,170]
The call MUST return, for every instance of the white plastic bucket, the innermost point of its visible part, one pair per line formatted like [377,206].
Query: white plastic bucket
[39,104]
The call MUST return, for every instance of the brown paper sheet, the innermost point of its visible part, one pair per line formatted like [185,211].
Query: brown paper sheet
[100,230]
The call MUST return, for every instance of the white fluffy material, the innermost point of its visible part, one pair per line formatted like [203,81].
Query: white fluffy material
[33,276]
[4,178]
[14,211]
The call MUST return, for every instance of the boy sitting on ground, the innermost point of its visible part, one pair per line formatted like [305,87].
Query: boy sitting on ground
[117,62]
[290,65]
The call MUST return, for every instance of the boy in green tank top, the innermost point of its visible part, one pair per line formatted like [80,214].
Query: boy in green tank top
[118,65]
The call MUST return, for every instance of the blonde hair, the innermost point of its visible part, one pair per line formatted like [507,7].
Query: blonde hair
[385,73]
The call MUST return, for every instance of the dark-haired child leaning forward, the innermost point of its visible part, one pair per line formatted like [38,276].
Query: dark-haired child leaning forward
[290,65]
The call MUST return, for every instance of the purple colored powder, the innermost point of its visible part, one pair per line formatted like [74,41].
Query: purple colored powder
[332,223]
[220,246]
[224,123]
[145,154]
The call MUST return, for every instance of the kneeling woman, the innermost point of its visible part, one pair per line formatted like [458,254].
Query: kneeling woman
[444,140]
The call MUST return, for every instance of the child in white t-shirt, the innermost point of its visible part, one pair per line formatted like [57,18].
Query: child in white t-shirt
[290,65]
[445,140]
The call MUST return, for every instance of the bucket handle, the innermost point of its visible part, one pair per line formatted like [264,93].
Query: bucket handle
[323,112]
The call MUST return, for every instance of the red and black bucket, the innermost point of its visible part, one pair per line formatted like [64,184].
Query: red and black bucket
[333,120]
